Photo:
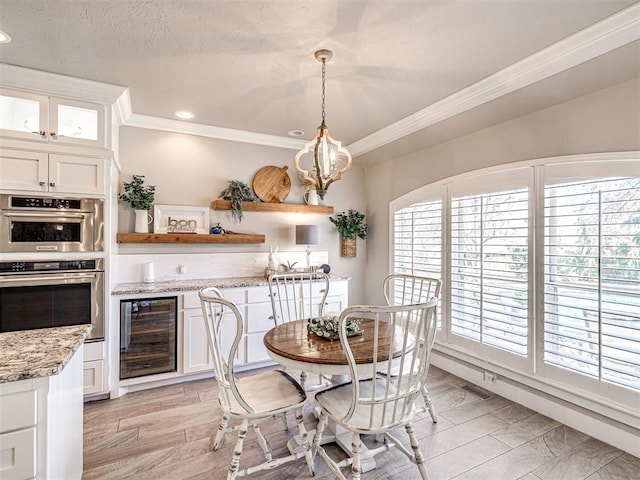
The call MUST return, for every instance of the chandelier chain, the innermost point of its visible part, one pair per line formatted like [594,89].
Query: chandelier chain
[323,81]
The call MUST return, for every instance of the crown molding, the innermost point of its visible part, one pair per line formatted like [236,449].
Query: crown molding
[602,37]
[177,126]
[54,84]
[122,108]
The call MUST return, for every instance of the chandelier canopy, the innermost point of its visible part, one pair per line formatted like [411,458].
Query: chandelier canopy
[325,157]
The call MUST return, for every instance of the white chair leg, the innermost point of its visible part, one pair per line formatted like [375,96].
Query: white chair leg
[222,429]
[235,460]
[284,422]
[429,403]
[418,459]
[263,443]
[355,450]
[303,379]
[304,438]
[322,423]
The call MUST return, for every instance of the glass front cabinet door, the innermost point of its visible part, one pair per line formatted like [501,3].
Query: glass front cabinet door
[50,119]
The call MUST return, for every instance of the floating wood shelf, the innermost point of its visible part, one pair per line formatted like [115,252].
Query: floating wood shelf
[273,207]
[188,238]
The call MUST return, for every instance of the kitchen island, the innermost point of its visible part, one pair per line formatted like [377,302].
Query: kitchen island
[41,403]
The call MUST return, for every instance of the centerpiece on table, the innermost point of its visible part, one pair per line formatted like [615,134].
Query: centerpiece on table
[328,327]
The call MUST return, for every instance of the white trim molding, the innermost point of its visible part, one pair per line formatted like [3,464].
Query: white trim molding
[177,126]
[607,35]
[37,81]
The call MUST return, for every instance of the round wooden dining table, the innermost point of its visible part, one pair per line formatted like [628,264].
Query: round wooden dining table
[292,345]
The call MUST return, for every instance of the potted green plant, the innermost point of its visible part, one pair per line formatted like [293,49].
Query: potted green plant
[350,224]
[139,197]
[238,192]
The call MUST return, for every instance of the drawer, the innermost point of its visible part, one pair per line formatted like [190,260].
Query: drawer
[236,295]
[258,295]
[17,410]
[18,454]
[259,318]
[93,351]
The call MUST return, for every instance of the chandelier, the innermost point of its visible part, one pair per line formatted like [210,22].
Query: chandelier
[327,157]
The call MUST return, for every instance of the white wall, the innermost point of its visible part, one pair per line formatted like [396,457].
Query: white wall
[605,121]
[192,170]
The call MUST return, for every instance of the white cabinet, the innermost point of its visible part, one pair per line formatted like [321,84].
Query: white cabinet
[196,356]
[41,426]
[48,172]
[94,374]
[28,116]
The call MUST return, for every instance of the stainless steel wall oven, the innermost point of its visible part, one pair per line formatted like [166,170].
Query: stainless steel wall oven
[42,294]
[51,224]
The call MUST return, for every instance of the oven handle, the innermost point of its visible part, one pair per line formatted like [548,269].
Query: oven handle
[41,215]
[31,280]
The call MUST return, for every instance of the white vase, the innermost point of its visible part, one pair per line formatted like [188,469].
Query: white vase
[143,219]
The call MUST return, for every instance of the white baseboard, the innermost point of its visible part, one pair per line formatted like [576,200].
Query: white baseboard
[598,426]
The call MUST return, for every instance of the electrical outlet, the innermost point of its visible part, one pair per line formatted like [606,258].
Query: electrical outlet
[182,269]
[490,377]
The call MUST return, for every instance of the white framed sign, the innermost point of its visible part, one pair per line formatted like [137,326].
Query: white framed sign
[180,219]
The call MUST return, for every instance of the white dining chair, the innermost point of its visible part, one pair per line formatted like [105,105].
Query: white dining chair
[402,289]
[251,398]
[297,296]
[375,403]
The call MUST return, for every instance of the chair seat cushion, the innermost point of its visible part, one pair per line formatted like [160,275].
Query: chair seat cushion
[337,400]
[267,392]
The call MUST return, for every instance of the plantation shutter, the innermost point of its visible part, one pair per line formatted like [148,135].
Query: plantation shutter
[489,268]
[592,278]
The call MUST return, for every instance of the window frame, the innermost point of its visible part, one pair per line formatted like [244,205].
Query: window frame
[532,370]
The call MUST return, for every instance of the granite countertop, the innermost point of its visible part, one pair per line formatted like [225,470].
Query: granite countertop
[191,285]
[38,353]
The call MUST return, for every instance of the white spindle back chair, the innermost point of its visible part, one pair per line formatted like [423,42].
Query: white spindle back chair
[405,289]
[251,397]
[374,402]
[297,296]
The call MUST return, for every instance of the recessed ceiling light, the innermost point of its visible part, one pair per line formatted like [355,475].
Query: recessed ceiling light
[4,37]
[184,115]
[296,133]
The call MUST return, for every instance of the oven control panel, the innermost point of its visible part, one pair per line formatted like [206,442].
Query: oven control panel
[28,267]
[46,202]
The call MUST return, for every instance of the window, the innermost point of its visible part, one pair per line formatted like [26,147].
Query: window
[592,278]
[489,269]
[418,239]
[541,269]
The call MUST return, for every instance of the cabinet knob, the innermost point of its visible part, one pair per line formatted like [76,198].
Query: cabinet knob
[53,135]
[323,290]
[43,134]
[52,184]
[42,184]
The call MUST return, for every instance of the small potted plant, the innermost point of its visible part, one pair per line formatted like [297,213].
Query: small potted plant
[238,192]
[140,197]
[350,224]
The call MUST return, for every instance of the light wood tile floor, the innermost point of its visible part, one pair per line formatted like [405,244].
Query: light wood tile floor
[165,433]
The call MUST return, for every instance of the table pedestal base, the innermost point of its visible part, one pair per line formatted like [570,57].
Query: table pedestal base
[334,433]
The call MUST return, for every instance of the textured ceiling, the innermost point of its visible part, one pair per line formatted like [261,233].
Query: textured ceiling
[249,65]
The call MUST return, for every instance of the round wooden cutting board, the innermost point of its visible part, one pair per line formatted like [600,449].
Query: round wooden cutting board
[272,184]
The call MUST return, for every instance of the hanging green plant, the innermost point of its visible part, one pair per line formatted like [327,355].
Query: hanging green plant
[238,192]
[350,223]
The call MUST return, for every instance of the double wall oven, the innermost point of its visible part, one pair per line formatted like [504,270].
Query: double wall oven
[53,292]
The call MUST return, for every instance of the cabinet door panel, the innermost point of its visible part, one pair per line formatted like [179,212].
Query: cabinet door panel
[23,115]
[79,123]
[23,170]
[68,174]
[256,351]
[18,454]
[195,350]
[93,373]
